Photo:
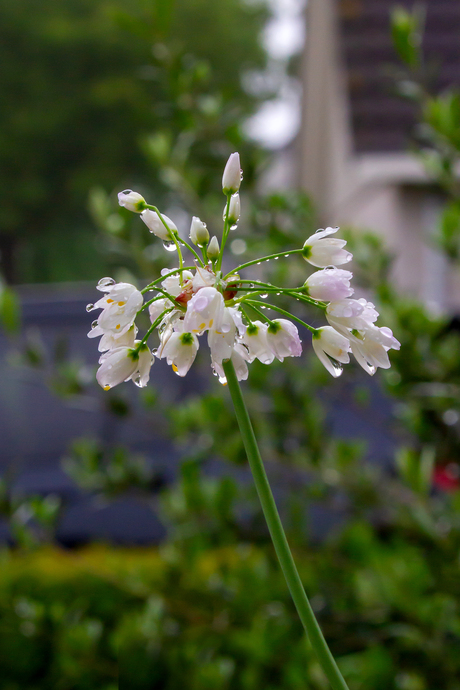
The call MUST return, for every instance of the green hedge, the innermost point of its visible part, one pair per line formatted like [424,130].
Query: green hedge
[106,618]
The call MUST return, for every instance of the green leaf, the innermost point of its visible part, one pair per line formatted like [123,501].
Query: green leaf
[10,310]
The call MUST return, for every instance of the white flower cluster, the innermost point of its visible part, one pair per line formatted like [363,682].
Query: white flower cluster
[352,322]
[187,302]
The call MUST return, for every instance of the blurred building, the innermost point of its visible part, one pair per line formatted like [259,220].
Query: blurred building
[354,140]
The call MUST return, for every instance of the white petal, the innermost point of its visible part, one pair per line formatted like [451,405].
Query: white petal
[117,366]
[231,179]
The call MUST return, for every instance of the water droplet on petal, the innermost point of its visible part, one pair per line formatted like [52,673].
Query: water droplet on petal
[338,368]
[169,246]
[105,282]
[222,380]
[154,351]
[233,227]
[330,268]
[137,380]
[94,324]
[90,307]
[319,230]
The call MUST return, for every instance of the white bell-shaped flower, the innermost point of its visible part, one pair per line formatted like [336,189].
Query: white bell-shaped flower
[327,344]
[180,350]
[172,284]
[231,179]
[221,340]
[199,233]
[119,308]
[321,250]
[329,285]
[116,366]
[204,277]
[234,209]
[255,339]
[156,226]
[124,364]
[110,342]
[133,201]
[351,314]
[204,311]
[370,347]
[239,359]
[213,248]
[158,307]
[141,375]
[283,339]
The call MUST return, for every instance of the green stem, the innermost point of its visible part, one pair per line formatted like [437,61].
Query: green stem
[291,292]
[278,536]
[172,235]
[151,286]
[251,303]
[224,235]
[190,248]
[151,329]
[264,258]
[259,311]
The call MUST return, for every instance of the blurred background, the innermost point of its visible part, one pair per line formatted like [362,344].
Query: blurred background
[132,546]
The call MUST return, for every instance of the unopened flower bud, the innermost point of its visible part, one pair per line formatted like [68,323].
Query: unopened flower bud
[234,209]
[231,179]
[133,201]
[199,232]
[213,248]
[155,225]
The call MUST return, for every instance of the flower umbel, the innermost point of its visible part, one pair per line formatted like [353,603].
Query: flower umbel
[184,303]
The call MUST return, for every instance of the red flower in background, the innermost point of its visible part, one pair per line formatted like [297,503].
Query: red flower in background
[447,477]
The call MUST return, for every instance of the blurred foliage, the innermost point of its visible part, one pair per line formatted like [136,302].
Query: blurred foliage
[110,93]
[208,609]
[437,135]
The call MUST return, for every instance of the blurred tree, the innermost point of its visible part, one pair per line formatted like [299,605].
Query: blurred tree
[83,83]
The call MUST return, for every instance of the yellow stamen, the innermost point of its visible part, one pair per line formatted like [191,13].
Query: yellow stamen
[117,327]
[211,322]
[203,325]
[121,304]
[174,368]
[109,301]
[106,388]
